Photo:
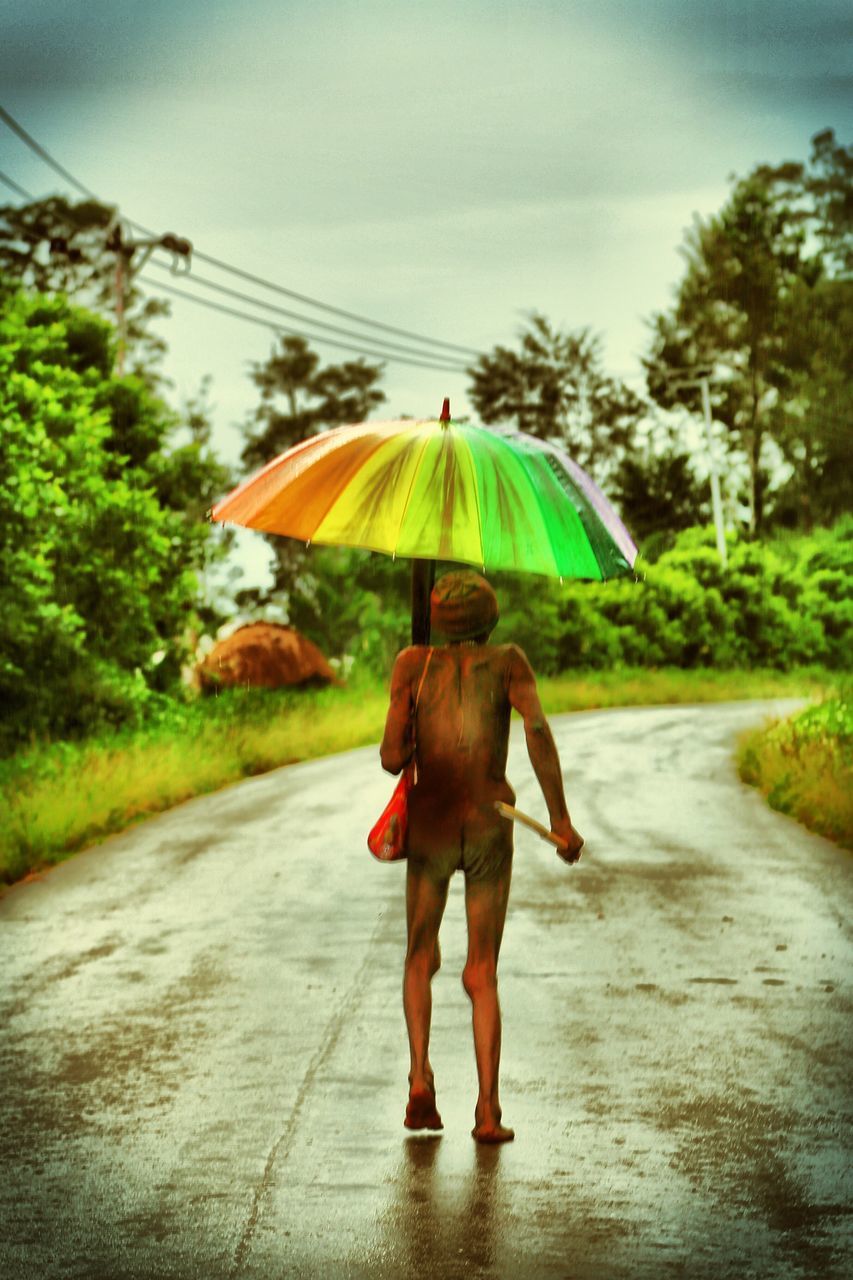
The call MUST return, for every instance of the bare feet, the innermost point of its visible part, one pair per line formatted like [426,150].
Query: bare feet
[492,1133]
[488,1128]
[421,1111]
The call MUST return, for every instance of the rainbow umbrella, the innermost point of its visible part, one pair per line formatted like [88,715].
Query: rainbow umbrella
[439,490]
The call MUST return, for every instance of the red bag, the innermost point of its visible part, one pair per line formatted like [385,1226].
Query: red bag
[387,838]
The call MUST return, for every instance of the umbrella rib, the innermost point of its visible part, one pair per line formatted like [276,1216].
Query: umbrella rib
[538,500]
[580,503]
[476,487]
[528,481]
[591,518]
[571,500]
[372,450]
[423,447]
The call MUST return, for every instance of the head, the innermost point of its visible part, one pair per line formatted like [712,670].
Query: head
[463,606]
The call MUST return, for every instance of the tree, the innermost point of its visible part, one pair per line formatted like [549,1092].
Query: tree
[315,397]
[59,246]
[811,417]
[299,398]
[740,265]
[657,494]
[554,387]
[354,604]
[755,305]
[829,183]
[101,526]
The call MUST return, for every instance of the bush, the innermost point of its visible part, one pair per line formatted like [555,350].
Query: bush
[778,605]
[101,528]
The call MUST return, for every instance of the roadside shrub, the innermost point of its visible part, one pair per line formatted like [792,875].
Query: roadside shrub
[773,605]
[804,766]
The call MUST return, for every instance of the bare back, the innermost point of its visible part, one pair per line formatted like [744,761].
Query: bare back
[463,720]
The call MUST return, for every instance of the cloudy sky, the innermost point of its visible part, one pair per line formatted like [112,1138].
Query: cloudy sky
[442,167]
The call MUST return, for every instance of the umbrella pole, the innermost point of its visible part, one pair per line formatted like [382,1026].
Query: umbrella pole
[423,577]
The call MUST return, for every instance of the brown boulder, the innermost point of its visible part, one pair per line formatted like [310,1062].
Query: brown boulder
[264,655]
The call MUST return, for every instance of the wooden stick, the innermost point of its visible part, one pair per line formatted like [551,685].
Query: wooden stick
[515,815]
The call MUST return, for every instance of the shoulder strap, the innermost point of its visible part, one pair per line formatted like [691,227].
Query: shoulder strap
[415,717]
[423,677]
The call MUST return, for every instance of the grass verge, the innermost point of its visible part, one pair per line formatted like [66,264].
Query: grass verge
[804,766]
[60,797]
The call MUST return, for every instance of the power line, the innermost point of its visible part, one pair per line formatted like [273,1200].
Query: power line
[210,284]
[237,271]
[14,186]
[338,311]
[296,333]
[45,155]
[294,315]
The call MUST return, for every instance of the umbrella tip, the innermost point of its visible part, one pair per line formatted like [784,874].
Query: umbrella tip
[445,410]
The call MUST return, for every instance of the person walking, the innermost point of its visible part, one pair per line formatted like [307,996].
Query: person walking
[463,693]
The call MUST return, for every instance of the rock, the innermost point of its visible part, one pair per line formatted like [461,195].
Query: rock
[264,655]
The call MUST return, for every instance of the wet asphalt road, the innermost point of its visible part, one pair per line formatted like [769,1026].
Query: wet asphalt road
[203,1061]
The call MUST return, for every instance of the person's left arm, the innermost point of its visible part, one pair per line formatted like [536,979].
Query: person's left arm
[397,748]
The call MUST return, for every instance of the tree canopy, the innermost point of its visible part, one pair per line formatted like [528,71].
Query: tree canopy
[300,396]
[555,387]
[101,525]
[764,304]
[59,245]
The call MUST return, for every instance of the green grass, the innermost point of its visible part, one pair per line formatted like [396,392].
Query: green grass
[804,766]
[644,687]
[60,797]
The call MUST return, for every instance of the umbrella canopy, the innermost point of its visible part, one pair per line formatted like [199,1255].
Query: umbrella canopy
[439,490]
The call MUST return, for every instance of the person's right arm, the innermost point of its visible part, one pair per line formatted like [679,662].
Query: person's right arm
[542,749]
[397,748]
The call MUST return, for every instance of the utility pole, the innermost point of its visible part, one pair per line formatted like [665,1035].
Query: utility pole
[701,378]
[126,269]
[715,479]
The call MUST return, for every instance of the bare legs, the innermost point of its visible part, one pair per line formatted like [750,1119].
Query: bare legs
[425,902]
[485,906]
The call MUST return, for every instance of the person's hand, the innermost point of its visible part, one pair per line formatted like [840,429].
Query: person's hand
[574,840]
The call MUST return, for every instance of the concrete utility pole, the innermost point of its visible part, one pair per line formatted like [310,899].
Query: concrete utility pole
[702,378]
[715,479]
[126,269]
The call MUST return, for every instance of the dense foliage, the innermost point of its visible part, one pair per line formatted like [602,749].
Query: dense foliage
[101,526]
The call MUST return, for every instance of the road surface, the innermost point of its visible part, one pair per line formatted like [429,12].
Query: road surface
[203,1060]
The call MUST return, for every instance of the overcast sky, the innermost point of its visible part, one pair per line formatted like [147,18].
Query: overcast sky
[444,167]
